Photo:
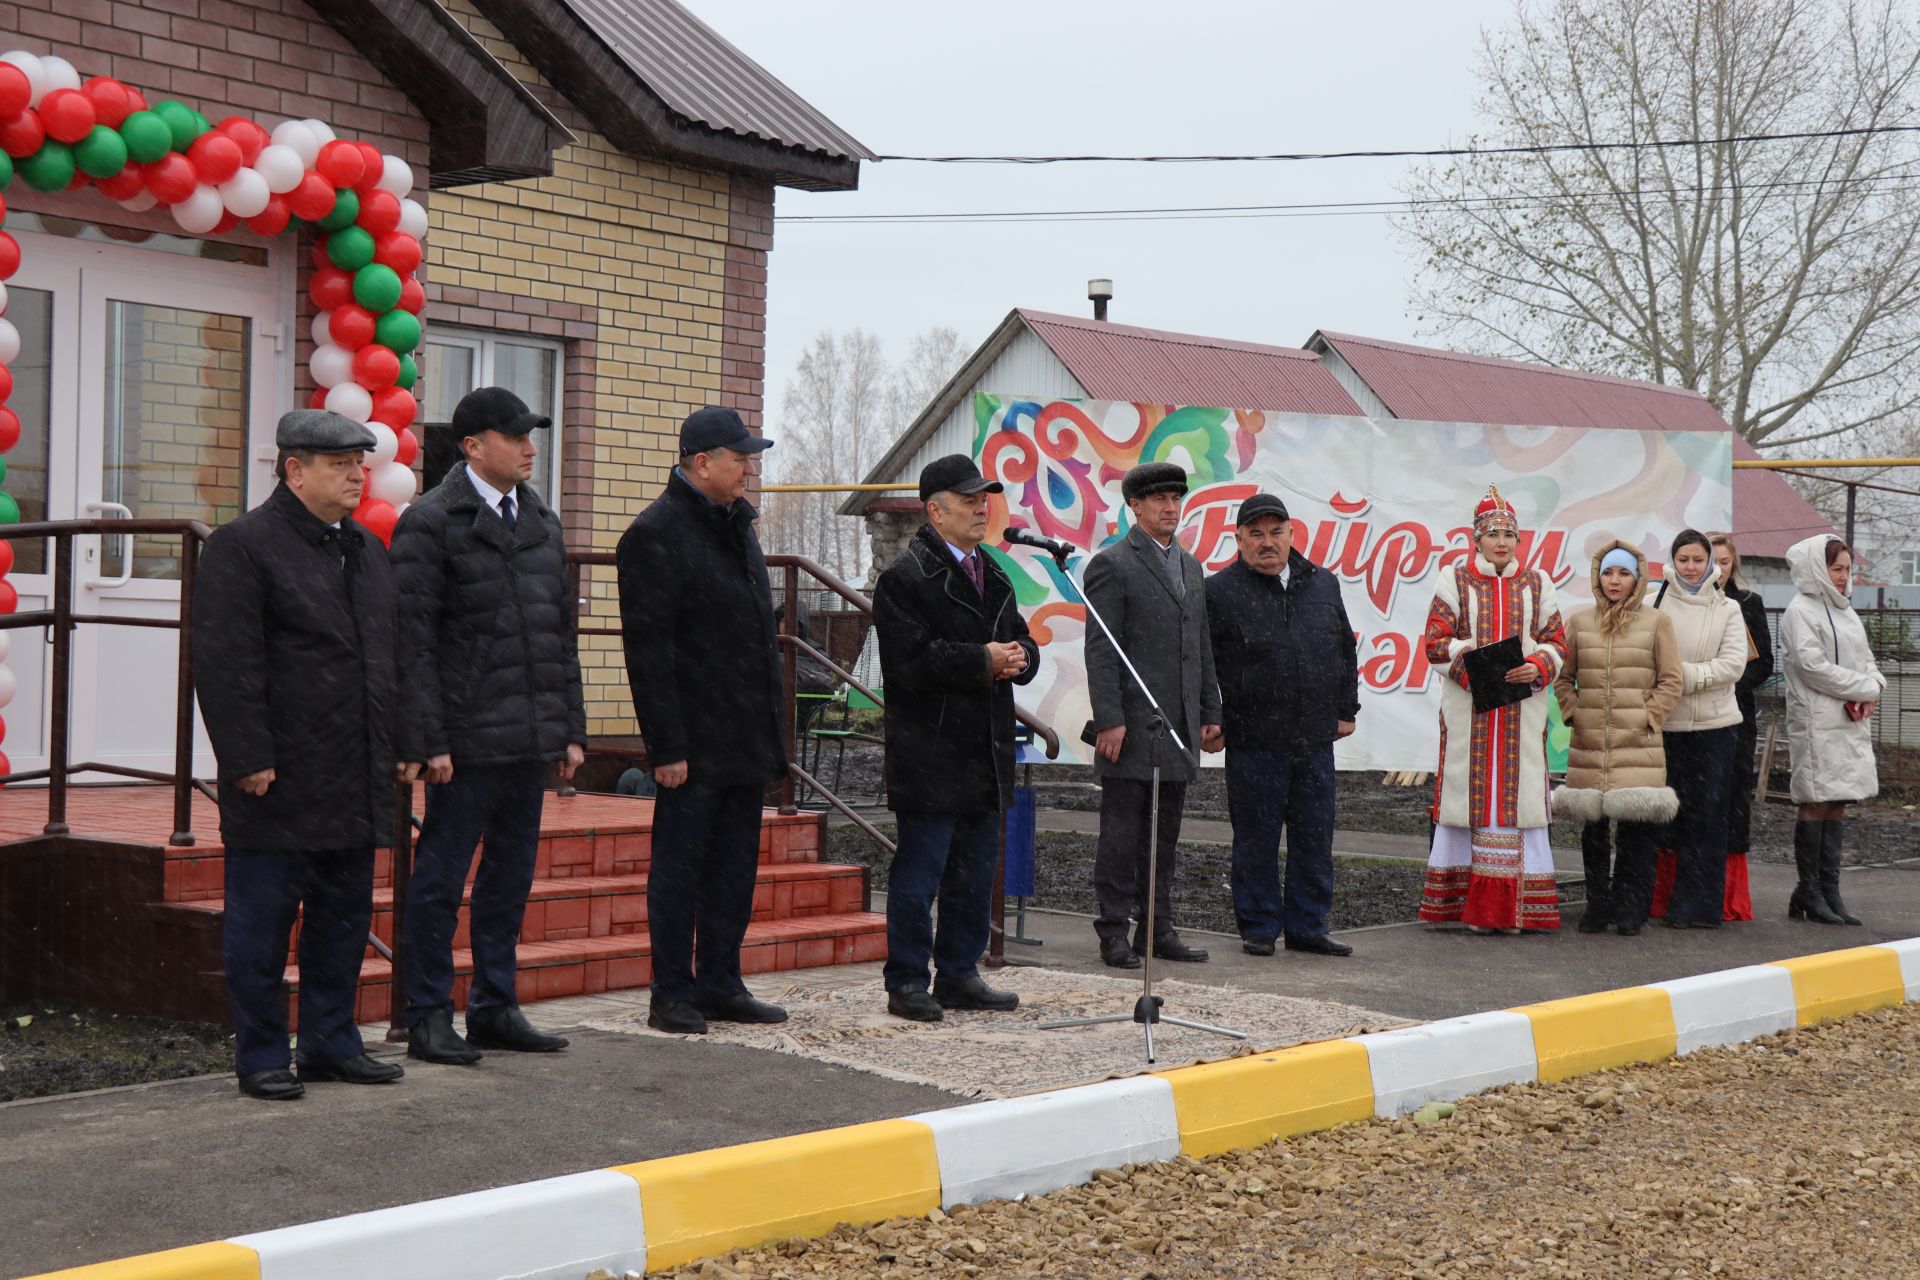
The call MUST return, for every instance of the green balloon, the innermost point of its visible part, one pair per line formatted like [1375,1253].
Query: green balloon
[376,287]
[399,330]
[182,123]
[146,135]
[346,207]
[350,249]
[6,168]
[9,509]
[3,468]
[201,123]
[409,373]
[50,168]
[101,154]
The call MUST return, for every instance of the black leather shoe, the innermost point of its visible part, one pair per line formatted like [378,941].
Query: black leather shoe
[509,1029]
[743,1008]
[914,1006]
[277,1085]
[1257,946]
[1592,921]
[974,995]
[676,1016]
[358,1070]
[1320,946]
[1170,947]
[1628,928]
[1116,954]
[434,1040]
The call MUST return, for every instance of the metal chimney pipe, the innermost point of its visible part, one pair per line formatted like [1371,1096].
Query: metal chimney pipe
[1101,291]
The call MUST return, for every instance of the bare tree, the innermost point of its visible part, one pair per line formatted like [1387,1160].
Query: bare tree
[1781,279]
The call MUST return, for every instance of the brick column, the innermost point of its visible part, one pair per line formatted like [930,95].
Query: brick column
[743,340]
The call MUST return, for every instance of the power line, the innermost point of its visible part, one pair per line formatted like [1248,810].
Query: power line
[1427,153]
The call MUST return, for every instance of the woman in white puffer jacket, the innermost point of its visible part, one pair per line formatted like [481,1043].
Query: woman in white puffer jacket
[1833,685]
[1711,637]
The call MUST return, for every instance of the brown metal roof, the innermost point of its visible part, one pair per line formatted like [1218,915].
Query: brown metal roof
[1152,366]
[706,80]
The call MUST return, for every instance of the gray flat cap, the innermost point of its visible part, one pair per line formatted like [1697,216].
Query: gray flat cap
[322,431]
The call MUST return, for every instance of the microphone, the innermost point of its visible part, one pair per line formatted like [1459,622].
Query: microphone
[1058,550]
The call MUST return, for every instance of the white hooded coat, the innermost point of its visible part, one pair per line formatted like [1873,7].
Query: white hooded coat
[1827,663]
[1712,640]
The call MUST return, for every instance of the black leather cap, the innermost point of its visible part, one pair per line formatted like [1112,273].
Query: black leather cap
[955,473]
[716,428]
[1262,504]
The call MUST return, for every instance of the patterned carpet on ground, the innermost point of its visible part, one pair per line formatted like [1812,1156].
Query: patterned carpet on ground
[981,1055]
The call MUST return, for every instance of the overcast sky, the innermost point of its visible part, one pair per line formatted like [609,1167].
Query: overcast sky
[1045,77]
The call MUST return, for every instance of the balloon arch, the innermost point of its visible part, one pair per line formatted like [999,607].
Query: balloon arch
[58,132]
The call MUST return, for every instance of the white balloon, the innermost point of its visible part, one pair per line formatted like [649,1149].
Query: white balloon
[385,445]
[10,342]
[296,137]
[139,202]
[200,212]
[3,299]
[322,329]
[34,70]
[331,365]
[393,482]
[7,685]
[396,175]
[351,400]
[60,73]
[6,644]
[321,130]
[245,194]
[413,219]
[280,167]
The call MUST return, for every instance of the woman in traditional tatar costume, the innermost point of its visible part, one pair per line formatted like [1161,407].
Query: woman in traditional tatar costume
[1492,865]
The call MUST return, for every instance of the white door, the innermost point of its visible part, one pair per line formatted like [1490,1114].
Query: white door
[164,382]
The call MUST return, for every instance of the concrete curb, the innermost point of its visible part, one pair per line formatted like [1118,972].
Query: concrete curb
[663,1214]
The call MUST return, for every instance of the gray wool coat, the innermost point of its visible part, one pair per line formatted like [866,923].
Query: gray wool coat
[1167,637]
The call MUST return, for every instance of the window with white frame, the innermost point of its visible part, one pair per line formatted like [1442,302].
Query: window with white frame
[1910,568]
[456,361]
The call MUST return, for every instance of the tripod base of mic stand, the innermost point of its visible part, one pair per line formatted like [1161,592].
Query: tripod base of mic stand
[1146,1012]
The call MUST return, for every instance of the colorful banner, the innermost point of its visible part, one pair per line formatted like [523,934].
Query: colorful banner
[1385,504]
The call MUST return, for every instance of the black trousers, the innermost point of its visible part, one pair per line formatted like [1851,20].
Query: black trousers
[706,856]
[1746,736]
[1624,896]
[1120,858]
[1700,770]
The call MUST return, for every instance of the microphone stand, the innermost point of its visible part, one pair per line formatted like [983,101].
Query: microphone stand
[1146,1009]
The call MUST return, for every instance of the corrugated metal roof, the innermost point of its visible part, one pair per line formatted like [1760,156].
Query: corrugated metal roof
[700,76]
[1769,515]
[1121,362]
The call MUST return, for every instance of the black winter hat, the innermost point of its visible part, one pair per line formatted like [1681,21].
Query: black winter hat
[495,409]
[1152,477]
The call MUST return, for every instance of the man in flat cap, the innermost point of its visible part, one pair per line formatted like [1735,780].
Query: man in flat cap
[294,642]
[493,710]
[1153,595]
[1290,684]
[696,610]
[952,646]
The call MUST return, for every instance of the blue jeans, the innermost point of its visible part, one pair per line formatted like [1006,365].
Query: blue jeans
[500,804]
[951,858]
[706,856]
[1270,791]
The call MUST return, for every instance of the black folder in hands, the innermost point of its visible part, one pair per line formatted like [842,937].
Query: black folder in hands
[1487,669]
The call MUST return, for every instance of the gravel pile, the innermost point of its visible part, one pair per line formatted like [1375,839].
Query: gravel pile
[1798,1155]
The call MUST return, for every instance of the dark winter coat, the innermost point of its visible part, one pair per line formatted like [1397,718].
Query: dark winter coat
[949,722]
[294,663]
[1288,665]
[1759,667]
[487,630]
[696,611]
[1166,637]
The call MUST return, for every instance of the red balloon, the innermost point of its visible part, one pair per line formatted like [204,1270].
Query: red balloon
[9,251]
[379,518]
[318,400]
[341,163]
[78,180]
[6,393]
[395,406]
[248,136]
[273,219]
[136,100]
[6,765]
[409,447]
[332,290]
[398,250]
[126,184]
[374,366]
[375,166]
[67,115]
[15,90]
[216,156]
[6,567]
[352,326]
[319,254]
[228,221]
[9,429]
[171,178]
[21,135]
[312,199]
[379,212]
[111,101]
[413,296]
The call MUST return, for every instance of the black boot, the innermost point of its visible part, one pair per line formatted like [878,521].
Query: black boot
[1596,852]
[1808,902]
[1832,842]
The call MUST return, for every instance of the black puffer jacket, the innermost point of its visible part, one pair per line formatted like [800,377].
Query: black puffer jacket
[487,626]
[949,722]
[1286,657]
[696,616]
[293,661]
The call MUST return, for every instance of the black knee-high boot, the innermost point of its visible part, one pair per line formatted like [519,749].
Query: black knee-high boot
[1808,902]
[1832,842]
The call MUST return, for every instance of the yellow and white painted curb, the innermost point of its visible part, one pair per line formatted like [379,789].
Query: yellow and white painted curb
[662,1214]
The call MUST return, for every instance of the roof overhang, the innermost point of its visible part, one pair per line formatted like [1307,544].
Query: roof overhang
[484,125]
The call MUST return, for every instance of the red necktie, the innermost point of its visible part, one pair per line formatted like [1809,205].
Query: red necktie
[976,574]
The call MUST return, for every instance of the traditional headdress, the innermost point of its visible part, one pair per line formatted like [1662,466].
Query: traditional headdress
[1495,512]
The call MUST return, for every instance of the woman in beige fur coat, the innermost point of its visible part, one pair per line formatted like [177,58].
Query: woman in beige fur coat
[1616,690]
